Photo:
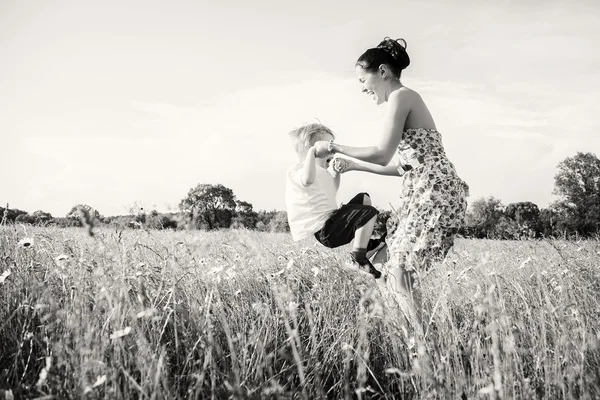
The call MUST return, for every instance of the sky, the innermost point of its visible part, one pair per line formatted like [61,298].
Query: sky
[115,104]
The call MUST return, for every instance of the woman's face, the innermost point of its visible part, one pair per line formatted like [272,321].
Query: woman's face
[373,84]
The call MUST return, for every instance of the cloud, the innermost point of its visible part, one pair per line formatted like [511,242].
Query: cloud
[488,136]
[240,140]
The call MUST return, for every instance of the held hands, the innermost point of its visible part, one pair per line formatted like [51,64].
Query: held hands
[341,165]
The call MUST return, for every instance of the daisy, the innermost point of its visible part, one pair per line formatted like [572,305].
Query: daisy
[26,242]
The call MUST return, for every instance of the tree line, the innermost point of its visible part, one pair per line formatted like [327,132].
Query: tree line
[210,207]
[206,207]
[576,212]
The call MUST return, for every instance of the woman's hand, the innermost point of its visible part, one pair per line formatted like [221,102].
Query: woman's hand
[321,148]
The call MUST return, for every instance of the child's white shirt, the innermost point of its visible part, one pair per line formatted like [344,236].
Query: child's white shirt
[309,207]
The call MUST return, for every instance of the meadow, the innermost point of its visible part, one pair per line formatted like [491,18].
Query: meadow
[239,314]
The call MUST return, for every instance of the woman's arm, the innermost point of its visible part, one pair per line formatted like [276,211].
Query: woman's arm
[399,106]
[388,170]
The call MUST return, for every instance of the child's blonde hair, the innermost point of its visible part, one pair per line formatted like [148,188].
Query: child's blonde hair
[307,135]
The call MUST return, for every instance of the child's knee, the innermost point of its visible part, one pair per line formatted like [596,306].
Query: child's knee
[366,199]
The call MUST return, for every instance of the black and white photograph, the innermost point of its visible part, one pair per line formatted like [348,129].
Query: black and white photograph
[299,199]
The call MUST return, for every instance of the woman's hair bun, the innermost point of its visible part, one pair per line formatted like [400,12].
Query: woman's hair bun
[397,49]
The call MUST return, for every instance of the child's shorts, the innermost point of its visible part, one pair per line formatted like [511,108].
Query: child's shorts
[341,226]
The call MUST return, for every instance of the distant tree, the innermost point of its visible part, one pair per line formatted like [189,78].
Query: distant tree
[11,214]
[526,214]
[264,218]
[122,221]
[136,210]
[209,206]
[25,219]
[505,228]
[245,216]
[65,222]
[42,217]
[483,215]
[261,226]
[279,222]
[154,220]
[76,211]
[549,220]
[578,184]
[84,215]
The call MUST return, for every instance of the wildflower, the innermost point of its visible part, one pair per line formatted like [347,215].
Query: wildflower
[217,270]
[26,242]
[260,308]
[99,381]
[278,273]
[147,313]
[489,389]
[525,263]
[292,306]
[44,372]
[61,260]
[121,333]
[4,275]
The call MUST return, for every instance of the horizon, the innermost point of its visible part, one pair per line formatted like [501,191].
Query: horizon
[174,95]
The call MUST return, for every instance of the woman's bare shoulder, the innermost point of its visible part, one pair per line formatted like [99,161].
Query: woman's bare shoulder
[404,94]
[404,97]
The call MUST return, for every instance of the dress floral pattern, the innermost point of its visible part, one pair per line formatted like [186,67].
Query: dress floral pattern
[432,202]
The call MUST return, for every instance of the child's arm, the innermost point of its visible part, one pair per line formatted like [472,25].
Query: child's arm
[309,170]
[335,174]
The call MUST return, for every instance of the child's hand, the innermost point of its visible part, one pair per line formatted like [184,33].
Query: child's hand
[332,171]
[321,148]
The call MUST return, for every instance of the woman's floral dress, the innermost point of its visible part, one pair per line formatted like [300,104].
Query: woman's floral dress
[432,202]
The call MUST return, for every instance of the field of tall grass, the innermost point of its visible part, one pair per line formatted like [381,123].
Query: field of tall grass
[240,314]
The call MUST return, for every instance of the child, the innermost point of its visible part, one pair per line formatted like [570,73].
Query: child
[311,190]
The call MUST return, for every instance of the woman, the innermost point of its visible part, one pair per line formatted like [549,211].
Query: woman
[432,196]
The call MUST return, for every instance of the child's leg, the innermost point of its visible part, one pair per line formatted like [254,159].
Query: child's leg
[361,242]
[365,199]
[363,234]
